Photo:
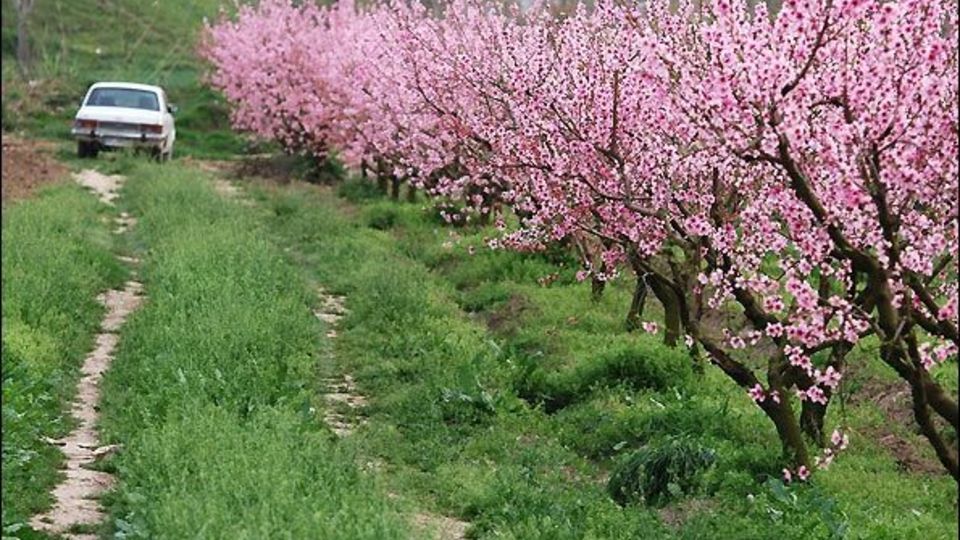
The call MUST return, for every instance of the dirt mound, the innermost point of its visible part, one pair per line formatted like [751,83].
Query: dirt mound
[27,165]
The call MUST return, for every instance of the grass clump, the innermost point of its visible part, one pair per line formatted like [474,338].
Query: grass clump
[356,190]
[56,259]
[657,473]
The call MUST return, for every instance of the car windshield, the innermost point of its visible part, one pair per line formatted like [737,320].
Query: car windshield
[124,97]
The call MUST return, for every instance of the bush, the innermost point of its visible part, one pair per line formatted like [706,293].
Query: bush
[357,190]
[468,401]
[617,419]
[382,217]
[660,472]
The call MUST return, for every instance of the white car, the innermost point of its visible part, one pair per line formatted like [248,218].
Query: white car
[125,115]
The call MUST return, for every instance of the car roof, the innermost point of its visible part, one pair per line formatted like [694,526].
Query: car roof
[131,86]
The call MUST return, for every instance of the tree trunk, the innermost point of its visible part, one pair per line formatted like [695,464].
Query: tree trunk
[794,448]
[394,187]
[945,453]
[919,383]
[696,359]
[596,288]
[812,414]
[382,176]
[363,169]
[811,421]
[671,311]
[411,193]
[24,54]
[926,395]
[636,305]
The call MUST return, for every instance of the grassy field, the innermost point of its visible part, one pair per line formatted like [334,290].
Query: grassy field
[77,43]
[213,391]
[56,259]
[511,404]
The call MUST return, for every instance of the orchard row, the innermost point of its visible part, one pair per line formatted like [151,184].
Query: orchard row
[785,184]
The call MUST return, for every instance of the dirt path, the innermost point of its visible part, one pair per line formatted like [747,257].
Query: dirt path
[76,497]
[342,397]
[341,393]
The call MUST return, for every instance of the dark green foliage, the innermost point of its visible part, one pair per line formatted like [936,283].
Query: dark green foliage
[468,402]
[381,217]
[356,189]
[645,364]
[484,297]
[660,472]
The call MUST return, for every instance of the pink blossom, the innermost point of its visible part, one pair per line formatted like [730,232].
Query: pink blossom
[829,378]
[816,395]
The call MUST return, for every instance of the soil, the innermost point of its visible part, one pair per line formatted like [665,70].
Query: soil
[104,186]
[28,165]
[340,392]
[442,527]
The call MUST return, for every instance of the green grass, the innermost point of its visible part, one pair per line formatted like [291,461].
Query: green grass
[56,259]
[213,390]
[508,403]
[148,42]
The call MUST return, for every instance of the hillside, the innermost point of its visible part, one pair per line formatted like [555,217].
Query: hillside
[76,43]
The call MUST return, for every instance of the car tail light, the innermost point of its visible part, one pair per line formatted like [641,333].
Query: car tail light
[151,128]
[86,124]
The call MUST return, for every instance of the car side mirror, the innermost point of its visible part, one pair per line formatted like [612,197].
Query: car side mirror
[172,109]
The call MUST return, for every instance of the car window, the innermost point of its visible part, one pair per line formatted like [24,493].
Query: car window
[124,97]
